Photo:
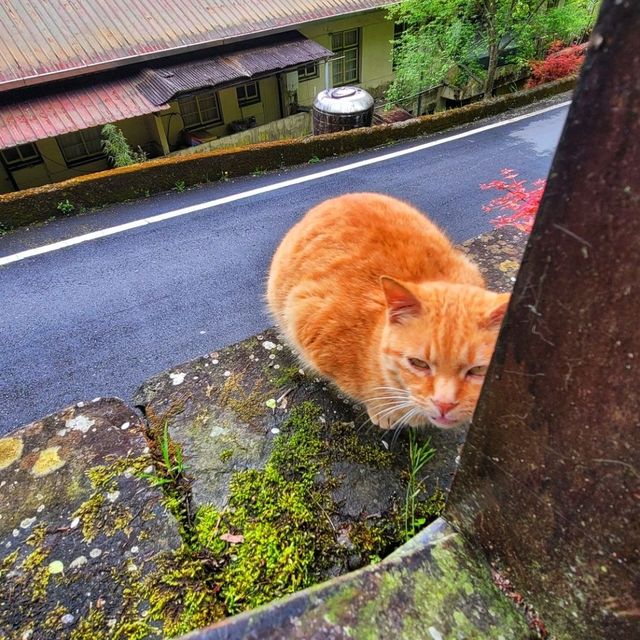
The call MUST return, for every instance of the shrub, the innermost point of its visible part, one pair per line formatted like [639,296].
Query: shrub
[559,62]
[117,148]
[65,207]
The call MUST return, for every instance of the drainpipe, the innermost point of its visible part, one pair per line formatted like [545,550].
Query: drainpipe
[281,89]
[327,76]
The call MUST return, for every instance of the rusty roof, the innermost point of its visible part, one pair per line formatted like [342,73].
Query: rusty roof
[43,113]
[52,39]
[160,83]
[35,113]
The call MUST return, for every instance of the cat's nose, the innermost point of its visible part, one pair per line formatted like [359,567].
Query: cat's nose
[444,407]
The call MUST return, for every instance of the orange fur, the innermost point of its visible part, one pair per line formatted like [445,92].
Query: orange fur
[367,290]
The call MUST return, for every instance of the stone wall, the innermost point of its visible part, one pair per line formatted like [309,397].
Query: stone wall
[296,126]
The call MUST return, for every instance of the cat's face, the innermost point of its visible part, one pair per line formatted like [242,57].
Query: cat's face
[437,344]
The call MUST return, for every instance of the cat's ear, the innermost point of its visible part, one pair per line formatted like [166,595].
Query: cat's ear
[401,303]
[494,318]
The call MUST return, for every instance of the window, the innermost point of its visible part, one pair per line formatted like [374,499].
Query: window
[308,71]
[199,109]
[346,64]
[81,146]
[24,155]
[248,94]
[398,30]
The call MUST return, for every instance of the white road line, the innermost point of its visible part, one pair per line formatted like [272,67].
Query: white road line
[110,231]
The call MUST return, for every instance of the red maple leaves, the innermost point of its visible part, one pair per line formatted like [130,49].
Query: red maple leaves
[521,201]
[559,62]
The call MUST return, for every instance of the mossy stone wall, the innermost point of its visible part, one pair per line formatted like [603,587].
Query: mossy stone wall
[21,208]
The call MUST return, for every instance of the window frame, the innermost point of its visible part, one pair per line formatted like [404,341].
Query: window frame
[247,101]
[87,157]
[303,75]
[197,96]
[23,161]
[340,52]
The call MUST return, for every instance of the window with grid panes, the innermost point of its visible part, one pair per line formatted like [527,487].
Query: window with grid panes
[24,155]
[199,109]
[248,94]
[346,64]
[308,71]
[82,146]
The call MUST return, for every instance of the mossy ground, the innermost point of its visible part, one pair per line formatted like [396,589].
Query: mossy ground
[280,532]
[277,535]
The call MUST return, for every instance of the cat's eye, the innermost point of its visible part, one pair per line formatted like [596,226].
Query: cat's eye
[419,364]
[479,371]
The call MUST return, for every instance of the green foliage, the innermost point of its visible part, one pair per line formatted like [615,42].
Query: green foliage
[171,464]
[419,455]
[444,40]
[65,207]
[181,186]
[117,149]
[313,160]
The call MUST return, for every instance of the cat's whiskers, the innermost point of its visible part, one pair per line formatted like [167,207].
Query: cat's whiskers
[394,408]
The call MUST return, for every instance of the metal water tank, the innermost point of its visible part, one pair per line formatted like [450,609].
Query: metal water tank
[340,109]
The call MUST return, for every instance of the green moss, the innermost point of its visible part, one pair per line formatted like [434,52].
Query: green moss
[91,627]
[247,405]
[98,516]
[226,455]
[375,539]
[337,604]
[346,444]
[432,507]
[7,563]
[274,538]
[284,376]
[37,574]
[439,596]
[53,620]
[183,593]
[103,476]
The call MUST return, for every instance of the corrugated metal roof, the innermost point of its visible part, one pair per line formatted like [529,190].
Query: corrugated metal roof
[161,83]
[48,39]
[27,115]
[38,114]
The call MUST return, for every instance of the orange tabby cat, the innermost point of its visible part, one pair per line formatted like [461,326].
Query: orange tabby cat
[374,297]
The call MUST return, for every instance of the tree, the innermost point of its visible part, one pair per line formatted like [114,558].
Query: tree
[440,35]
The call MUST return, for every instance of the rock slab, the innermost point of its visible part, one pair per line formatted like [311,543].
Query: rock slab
[78,525]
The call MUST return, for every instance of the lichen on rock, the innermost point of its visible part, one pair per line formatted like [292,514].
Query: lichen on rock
[10,451]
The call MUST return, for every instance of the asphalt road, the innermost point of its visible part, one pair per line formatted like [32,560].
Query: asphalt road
[98,318]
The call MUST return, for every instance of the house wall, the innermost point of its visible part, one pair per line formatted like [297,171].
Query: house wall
[375,51]
[139,132]
[266,110]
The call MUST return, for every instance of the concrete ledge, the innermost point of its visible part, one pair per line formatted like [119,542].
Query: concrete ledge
[117,185]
